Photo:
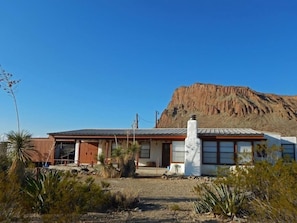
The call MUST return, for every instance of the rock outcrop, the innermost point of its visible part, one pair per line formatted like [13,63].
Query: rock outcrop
[219,106]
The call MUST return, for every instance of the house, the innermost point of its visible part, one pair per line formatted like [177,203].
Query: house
[190,151]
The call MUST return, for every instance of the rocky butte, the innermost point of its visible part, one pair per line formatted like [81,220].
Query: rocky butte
[219,106]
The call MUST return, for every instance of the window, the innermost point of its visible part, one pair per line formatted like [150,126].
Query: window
[209,152]
[244,152]
[227,153]
[144,150]
[178,152]
[288,151]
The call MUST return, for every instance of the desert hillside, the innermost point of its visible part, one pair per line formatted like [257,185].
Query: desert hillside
[231,106]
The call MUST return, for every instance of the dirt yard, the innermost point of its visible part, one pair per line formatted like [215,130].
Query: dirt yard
[160,200]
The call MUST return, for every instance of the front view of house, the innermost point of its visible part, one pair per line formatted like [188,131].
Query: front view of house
[189,151]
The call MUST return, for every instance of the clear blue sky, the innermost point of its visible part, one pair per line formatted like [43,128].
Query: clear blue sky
[96,63]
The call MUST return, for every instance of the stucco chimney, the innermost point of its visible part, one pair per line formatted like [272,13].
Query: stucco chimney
[192,149]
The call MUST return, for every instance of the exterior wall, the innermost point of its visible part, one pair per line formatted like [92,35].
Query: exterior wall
[210,170]
[178,168]
[274,139]
[45,148]
[155,154]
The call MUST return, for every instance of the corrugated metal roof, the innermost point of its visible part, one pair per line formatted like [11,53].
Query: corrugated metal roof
[228,131]
[158,131]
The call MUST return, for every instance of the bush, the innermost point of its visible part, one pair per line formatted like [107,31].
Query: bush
[54,192]
[219,199]
[271,189]
[56,196]
[10,199]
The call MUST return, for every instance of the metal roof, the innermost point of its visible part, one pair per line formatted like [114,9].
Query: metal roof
[158,132]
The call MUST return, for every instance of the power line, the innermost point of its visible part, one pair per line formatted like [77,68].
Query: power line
[145,119]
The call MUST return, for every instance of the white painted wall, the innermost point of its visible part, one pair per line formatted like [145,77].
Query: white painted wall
[178,168]
[155,154]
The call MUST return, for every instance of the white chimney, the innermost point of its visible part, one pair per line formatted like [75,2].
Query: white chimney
[192,149]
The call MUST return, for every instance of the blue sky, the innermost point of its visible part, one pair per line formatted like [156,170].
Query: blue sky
[96,63]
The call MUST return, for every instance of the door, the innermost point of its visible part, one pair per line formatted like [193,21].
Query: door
[88,152]
[165,154]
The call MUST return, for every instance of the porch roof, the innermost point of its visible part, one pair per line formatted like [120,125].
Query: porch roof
[158,132]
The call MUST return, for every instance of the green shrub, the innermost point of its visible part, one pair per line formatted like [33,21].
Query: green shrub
[175,207]
[10,199]
[57,193]
[271,189]
[219,199]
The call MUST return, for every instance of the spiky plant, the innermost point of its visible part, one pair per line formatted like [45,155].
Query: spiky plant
[21,151]
[219,199]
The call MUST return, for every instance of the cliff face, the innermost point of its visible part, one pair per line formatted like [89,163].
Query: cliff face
[229,106]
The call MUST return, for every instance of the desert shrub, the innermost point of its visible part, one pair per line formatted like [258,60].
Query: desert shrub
[5,163]
[219,199]
[10,199]
[175,207]
[124,201]
[56,193]
[271,190]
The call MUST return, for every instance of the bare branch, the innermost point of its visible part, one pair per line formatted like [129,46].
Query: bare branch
[8,84]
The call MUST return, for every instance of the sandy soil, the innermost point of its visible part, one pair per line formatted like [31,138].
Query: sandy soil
[160,200]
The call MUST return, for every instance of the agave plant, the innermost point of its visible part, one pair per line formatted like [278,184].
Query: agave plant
[219,199]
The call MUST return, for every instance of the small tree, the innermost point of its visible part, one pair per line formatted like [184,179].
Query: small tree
[125,158]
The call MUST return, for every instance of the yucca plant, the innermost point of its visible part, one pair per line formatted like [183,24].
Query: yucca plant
[219,199]
[40,190]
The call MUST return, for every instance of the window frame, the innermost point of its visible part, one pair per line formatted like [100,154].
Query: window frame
[221,152]
[181,154]
[148,150]
[220,147]
[210,151]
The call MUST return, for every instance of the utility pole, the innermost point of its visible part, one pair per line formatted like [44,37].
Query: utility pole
[156,121]
[137,120]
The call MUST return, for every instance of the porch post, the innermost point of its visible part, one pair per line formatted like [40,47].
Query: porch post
[100,150]
[76,152]
[192,149]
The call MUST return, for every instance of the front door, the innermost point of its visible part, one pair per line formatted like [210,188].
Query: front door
[165,154]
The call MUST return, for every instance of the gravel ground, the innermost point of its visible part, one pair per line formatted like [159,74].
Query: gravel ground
[160,199]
